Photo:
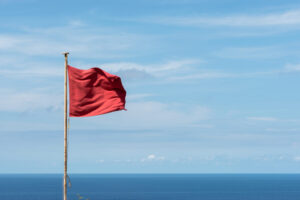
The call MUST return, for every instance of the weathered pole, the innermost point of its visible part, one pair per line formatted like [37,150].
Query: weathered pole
[66,126]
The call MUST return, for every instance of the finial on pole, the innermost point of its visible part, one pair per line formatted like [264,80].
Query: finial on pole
[65,54]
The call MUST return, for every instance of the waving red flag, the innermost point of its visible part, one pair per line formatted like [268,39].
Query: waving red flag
[94,92]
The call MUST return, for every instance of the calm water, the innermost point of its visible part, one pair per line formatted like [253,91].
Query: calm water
[154,187]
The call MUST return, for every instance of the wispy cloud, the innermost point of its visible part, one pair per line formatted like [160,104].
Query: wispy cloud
[296,158]
[9,66]
[154,68]
[170,71]
[270,119]
[252,52]
[16,101]
[282,130]
[292,67]
[132,97]
[33,72]
[274,119]
[211,74]
[152,115]
[291,17]
[148,71]
[204,75]
[83,41]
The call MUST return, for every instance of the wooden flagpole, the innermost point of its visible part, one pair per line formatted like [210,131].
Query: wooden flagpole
[66,126]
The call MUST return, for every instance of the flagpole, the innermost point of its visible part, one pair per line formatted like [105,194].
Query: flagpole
[66,126]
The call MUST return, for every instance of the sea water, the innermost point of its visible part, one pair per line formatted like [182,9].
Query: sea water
[152,187]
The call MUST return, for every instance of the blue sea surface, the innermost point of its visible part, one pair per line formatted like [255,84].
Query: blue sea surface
[152,187]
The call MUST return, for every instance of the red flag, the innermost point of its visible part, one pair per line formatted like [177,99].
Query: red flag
[94,92]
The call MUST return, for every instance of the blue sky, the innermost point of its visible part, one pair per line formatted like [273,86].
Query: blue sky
[212,85]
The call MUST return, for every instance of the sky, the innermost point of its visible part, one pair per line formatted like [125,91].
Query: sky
[212,85]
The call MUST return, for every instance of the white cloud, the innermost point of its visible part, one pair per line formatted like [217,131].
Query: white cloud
[157,70]
[291,17]
[153,157]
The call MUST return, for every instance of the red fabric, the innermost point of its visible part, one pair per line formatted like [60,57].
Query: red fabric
[94,92]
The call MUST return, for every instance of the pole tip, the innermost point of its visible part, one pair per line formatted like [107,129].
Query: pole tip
[65,53]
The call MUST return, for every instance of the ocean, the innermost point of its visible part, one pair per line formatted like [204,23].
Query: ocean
[152,187]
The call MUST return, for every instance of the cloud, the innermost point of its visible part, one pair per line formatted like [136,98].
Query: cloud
[153,68]
[43,71]
[204,75]
[189,69]
[134,74]
[76,23]
[270,119]
[141,113]
[251,52]
[150,115]
[296,158]
[137,71]
[133,97]
[169,71]
[82,41]
[16,101]
[282,130]
[292,67]
[126,70]
[36,51]
[273,119]
[100,161]
[153,157]
[287,18]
